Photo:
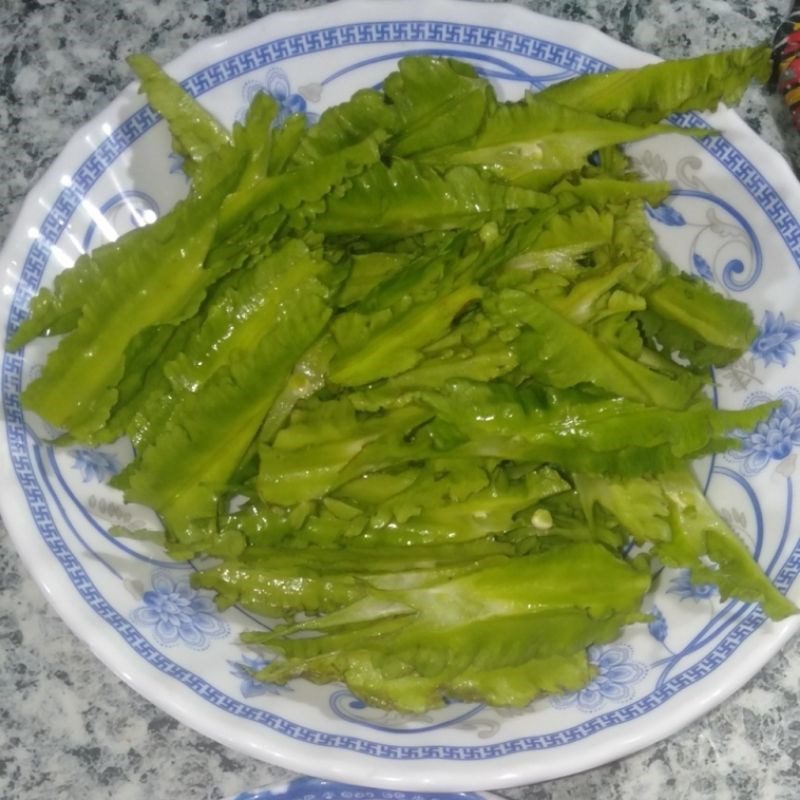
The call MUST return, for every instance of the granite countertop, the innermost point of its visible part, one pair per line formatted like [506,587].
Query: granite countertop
[61,730]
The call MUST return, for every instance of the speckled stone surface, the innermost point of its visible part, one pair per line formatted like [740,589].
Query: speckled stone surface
[71,729]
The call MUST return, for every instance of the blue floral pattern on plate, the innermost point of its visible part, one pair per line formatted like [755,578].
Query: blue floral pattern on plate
[774,341]
[666,214]
[179,614]
[723,245]
[276,84]
[774,438]
[120,213]
[617,673]
[682,586]
[658,626]
[94,465]
[250,687]
[702,267]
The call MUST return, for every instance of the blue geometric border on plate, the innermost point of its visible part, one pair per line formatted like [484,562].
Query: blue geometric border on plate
[446,34]
[313,789]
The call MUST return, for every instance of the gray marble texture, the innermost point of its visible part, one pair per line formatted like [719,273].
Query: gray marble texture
[68,727]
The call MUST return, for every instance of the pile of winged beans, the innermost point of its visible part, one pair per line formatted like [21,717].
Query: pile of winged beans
[413,379]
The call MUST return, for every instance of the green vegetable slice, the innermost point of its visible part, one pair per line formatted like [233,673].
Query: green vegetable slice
[648,94]
[545,606]
[381,350]
[162,282]
[559,353]
[606,435]
[187,467]
[438,101]
[196,134]
[536,141]
[671,512]
[408,198]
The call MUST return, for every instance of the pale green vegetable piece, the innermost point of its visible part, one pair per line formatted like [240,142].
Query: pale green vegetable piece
[651,93]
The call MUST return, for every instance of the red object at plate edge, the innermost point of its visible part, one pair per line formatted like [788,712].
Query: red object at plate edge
[786,62]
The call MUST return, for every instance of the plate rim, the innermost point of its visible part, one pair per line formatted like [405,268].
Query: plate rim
[316,787]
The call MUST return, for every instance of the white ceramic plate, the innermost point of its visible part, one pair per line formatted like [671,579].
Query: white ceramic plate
[733,218]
